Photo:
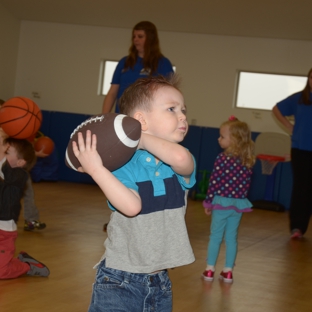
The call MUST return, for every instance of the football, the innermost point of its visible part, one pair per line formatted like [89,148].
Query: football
[117,136]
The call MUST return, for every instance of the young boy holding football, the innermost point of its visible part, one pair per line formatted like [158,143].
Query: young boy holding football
[147,232]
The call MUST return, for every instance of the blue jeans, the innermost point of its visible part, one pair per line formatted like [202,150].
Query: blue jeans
[223,223]
[122,291]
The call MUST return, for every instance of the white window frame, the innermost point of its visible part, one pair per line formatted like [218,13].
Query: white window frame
[258,90]
[107,68]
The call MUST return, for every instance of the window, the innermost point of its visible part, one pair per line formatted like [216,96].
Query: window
[107,69]
[263,91]
[106,74]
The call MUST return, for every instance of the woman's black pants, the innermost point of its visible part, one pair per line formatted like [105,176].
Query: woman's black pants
[301,199]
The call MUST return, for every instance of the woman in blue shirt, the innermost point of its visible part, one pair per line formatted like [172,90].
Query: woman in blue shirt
[300,106]
[144,59]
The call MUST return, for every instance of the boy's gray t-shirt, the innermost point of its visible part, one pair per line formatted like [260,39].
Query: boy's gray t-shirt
[157,237]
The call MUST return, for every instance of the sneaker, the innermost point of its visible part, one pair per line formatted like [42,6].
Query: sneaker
[36,268]
[296,234]
[208,275]
[32,225]
[226,277]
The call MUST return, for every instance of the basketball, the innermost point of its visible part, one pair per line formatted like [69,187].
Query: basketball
[44,144]
[20,117]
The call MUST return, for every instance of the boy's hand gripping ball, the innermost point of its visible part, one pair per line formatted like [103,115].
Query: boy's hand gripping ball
[117,135]
[20,117]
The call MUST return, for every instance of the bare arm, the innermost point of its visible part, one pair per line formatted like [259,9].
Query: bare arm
[110,98]
[283,120]
[173,154]
[122,198]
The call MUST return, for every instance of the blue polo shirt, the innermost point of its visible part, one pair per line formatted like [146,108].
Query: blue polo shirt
[302,133]
[157,237]
[125,77]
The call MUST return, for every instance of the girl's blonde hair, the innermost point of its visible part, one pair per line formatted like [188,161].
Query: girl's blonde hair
[242,145]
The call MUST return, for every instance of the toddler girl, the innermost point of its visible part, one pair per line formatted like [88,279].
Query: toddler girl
[226,196]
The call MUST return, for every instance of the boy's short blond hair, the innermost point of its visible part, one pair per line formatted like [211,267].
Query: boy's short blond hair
[140,94]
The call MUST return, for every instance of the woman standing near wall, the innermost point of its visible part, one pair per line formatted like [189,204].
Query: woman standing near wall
[144,59]
[299,105]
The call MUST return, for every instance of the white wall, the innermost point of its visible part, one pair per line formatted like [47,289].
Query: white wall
[9,36]
[61,62]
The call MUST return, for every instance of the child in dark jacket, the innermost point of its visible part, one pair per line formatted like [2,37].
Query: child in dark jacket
[17,157]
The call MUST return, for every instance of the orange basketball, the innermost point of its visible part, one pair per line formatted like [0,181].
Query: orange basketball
[20,117]
[44,144]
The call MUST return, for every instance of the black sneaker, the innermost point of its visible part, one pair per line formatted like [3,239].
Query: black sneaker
[36,268]
[34,224]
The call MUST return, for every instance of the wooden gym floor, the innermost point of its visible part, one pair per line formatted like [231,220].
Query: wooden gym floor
[272,273]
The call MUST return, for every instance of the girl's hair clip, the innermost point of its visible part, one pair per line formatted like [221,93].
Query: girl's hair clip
[232,118]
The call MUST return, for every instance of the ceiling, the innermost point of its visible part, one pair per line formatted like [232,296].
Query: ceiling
[278,19]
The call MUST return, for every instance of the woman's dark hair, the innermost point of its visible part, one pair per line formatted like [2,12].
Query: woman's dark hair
[152,52]
[305,97]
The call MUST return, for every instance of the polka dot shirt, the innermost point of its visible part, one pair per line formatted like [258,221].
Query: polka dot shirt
[229,178]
